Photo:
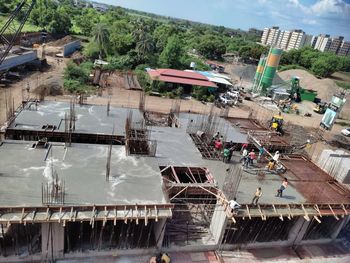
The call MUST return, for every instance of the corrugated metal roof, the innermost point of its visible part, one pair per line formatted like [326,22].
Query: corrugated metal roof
[180,77]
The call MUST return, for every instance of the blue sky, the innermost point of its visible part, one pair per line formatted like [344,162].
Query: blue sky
[313,16]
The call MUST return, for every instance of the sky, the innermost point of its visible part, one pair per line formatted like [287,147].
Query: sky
[313,16]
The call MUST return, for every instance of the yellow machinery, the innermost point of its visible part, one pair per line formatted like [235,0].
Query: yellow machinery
[277,122]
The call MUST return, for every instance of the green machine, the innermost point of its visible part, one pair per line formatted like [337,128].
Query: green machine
[301,94]
[266,70]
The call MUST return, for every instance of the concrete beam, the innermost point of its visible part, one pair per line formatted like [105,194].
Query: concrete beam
[298,231]
[218,224]
[52,241]
[343,222]
[159,231]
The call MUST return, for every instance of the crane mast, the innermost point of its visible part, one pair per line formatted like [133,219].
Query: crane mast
[13,27]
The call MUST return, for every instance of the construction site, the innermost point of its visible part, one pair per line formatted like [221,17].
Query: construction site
[80,178]
[120,174]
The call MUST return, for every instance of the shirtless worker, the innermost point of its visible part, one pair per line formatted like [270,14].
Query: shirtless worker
[257,195]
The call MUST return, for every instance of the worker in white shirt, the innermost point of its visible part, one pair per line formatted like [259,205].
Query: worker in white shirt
[234,205]
[276,156]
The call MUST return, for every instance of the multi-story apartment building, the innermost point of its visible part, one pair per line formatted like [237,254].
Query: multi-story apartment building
[270,36]
[336,44]
[283,39]
[344,49]
[323,42]
[296,39]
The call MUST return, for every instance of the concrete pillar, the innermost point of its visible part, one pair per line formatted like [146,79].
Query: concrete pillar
[52,241]
[218,224]
[339,226]
[298,231]
[159,231]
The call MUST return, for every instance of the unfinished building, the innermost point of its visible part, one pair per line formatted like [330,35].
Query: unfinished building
[83,178]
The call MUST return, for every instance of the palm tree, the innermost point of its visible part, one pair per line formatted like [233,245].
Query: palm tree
[145,44]
[101,37]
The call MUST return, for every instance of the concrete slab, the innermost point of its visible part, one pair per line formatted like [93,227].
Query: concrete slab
[90,118]
[23,169]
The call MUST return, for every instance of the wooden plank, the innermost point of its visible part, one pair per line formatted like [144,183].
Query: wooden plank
[317,219]
[330,207]
[306,216]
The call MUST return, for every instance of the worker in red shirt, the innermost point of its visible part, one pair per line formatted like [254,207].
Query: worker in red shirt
[218,144]
[251,157]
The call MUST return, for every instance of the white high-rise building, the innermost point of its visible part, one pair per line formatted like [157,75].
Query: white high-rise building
[283,39]
[296,40]
[270,36]
[323,42]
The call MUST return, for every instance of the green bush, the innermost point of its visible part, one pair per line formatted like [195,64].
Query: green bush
[211,98]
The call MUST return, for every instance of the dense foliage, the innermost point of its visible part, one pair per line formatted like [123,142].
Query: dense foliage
[322,64]
[130,39]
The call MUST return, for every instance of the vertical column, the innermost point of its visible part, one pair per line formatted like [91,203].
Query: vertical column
[218,224]
[159,231]
[52,241]
[340,226]
[298,231]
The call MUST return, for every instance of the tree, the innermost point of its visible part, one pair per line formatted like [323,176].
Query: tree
[121,39]
[61,23]
[172,55]
[161,35]
[291,57]
[308,56]
[325,65]
[101,37]
[87,20]
[145,45]
[211,47]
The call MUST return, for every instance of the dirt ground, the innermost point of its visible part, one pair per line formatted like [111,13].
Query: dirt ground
[130,98]
[17,90]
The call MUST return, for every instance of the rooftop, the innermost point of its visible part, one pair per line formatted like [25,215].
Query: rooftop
[136,179]
[83,168]
[90,119]
[180,77]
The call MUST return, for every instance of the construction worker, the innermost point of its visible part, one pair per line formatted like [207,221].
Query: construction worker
[244,155]
[251,157]
[234,205]
[218,144]
[257,195]
[261,153]
[216,136]
[276,157]
[226,153]
[282,187]
[271,165]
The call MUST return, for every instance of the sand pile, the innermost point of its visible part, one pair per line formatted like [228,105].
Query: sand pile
[325,87]
[62,41]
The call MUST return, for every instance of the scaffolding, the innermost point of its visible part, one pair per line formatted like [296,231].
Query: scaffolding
[137,138]
[202,130]
[192,190]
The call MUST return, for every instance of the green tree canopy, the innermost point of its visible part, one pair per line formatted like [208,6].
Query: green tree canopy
[211,47]
[101,37]
[87,20]
[173,53]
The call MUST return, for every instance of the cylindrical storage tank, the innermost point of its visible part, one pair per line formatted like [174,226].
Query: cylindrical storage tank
[272,62]
[259,70]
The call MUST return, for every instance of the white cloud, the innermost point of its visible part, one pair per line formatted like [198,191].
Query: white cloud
[262,2]
[310,21]
[330,6]
[323,7]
